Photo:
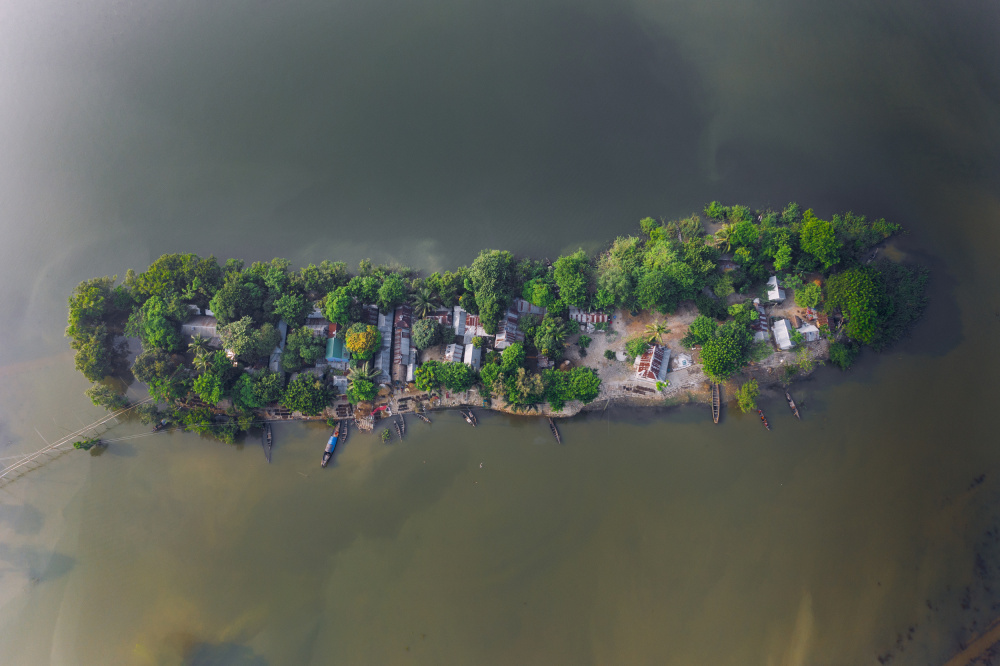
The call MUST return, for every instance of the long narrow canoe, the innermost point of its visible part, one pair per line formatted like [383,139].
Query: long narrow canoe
[331,444]
[266,440]
[399,431]
[791,403]
[423,418]
[555,430]
[716,402]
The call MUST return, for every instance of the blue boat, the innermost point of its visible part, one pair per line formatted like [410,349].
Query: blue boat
[330,446]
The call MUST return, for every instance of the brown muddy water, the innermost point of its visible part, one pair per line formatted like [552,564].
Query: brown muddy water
[422,133]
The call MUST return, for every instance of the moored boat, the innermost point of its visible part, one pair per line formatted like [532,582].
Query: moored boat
[331,444]
[266,441]
[399,430]
[161,425]
[763,419]
[422,417]
[716,402]
[791,403]
[470,418]
[555,430]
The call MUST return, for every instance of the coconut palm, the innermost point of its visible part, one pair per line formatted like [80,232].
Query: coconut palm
[198,345]
[722,237]
[424,302]
[201,362]
[656,331]
[363,371]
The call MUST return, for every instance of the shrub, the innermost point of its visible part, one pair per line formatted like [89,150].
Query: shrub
[746,396]
[843,355]
[636,347]
[808,296]
[584,341]
[102,396]
[610,354]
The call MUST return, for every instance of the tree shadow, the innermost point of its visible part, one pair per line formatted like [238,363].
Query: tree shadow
[39,566]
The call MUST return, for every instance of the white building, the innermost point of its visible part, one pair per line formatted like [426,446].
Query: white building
[473,356]
[809,332]
[775,293]
[783,334]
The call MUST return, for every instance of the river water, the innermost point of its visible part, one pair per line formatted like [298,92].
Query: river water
[421,133]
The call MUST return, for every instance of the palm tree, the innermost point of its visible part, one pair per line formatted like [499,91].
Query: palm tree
[199,345]
[722,237]
[201,362]
[424,302]
[364,371]
[656,331]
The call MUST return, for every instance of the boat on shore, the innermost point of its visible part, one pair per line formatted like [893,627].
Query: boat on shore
[161,425]
[422,417]
[555,430]
[716,402]
[266,441]
[399,430]
[331,444]
[763,419]
[791,403]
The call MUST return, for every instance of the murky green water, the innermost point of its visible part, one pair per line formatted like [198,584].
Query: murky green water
[422,133]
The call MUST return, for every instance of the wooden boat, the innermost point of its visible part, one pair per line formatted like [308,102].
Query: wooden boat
[423,418]
[791,403]
[344,427]
[402,423]
[470,418]
[763,419]
[399,431]
[161,425]
[331,444]
[267,440]
[555,430]
[716,402]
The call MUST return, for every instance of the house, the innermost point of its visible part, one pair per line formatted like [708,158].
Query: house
[318,324]
[454,353]
[783,334]
[400,354]
[203,326]
[467,326]
[274,363]
[653,364]
[544,362]
[383,357]
[775,293]
[442,316]
[809,332]
[336,353]
[581,317]
[523,307]
[473,356]
[508,333]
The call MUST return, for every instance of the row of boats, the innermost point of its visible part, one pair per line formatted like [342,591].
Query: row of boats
[791,405]
[717,407]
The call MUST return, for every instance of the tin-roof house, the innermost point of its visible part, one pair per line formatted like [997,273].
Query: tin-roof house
[473,356]
[783,334]
[274,363]
[467,326]
[653,364]
[582,317]
[203,326]
[775,293]
[454,353]
[318,323]
[336,353]
[383,357]
[508,333]
[809,332]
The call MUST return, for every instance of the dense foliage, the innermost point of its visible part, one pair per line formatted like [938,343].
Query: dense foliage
[746,396]
[306,394]
[363,340]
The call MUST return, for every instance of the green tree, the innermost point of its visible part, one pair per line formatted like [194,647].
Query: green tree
[523,387]
[573,274]
[426,333]
[540,291]
[700,331]
[152,325]
[240,296]
[208,387]
[363,340]
[103,396]
[722,357]
[293,308]
[198,345]
[361,390]
[456,376]
[306,394]
[302,347]
[491,277]
[95,357]
[656,331]
[268,387]
[489,376]
[618,271]
[843,355]
[426,376]
[808,296]
[391,293]
[584,384]
[512,358]
[636,347]
[550,336]
[818,239]
[746,396]
[361,372]
[858,294]
[715,210]
[424,302]
[338,306]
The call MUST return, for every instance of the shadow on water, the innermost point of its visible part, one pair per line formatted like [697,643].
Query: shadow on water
[23,518]
[37,565]
[223,654]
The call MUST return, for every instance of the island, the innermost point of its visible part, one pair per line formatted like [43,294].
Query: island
[730,295]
